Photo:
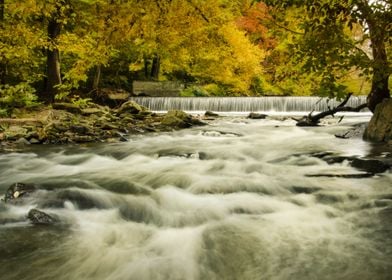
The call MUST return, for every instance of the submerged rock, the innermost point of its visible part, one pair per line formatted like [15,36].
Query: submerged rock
[347,176]
[38,217]
[18,190]
[370,165]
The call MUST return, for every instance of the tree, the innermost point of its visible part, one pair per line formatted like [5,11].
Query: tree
[55,22]
[99,41]
[3,68]
[325,44]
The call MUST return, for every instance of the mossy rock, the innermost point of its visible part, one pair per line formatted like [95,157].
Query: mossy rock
[131,107]
[15,132]
[177,119]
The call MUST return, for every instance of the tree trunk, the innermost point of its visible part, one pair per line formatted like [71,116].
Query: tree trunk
[53,61]
[1,10]
[3,65]
[155,67]
[379,89]
[146,72]
[97,77]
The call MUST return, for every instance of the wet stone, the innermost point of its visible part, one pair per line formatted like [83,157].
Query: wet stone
[370,165]
[17,191]
[38,217]
[383,203]
[257,116]
[211,114]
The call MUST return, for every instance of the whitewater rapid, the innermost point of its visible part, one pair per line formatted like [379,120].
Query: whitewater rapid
[232,200]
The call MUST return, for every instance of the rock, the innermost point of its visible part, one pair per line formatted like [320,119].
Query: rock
[120,136]
[107,125]
[69,107]
[142,115]
[15,132]
[131,107]
[22,141]
[351,133]
[211,114]
[80,129]
[38,217]
[92,111]
[383,202]
[347,176]
[256,116]
[177,119]
[18,190]
[34,141]
[379,128]
[82,138]
[370,165]
[305,190]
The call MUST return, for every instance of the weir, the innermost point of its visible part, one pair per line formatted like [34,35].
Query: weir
[244,104]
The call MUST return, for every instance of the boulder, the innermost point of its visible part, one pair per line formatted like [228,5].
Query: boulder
[17,191]
[15,132]
[38,217]
[180,119]
[379,128]
[131,107]
[211,114]
[177,119]
[256,116]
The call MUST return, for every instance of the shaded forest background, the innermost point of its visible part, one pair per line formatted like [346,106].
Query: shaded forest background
[71,49]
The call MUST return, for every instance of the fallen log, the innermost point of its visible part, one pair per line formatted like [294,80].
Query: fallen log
[314,120]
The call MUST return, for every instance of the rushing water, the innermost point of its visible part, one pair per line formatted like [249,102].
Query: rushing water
[228,201]
[245,104]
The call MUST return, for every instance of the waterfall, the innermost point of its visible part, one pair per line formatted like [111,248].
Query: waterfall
[244,104]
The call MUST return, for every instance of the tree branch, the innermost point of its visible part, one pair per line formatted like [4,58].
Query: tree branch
[286,28]
[199,11]
[313,120]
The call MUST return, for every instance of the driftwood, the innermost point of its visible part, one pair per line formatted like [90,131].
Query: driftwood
[313,120]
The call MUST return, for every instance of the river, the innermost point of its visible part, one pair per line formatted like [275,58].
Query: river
[232,200]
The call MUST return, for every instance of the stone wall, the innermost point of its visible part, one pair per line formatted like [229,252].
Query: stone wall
[157,89]
[379,128]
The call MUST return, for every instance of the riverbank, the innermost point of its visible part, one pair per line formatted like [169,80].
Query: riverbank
[67,123]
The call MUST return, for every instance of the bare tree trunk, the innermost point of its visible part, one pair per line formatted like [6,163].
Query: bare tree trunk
[97,77]
[53,61]
[155,68]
